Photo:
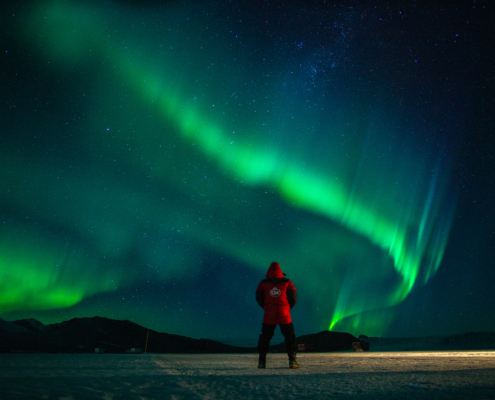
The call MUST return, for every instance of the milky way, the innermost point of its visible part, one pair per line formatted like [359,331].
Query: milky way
[160,158]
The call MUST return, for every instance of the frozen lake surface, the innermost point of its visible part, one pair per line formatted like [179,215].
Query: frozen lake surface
[346,375]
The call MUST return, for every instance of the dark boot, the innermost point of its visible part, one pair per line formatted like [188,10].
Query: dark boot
[262,361]
[293,364]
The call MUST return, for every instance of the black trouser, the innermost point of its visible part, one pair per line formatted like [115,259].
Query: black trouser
[267,331]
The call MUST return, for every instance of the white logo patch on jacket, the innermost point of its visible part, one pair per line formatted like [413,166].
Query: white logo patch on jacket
[275,292]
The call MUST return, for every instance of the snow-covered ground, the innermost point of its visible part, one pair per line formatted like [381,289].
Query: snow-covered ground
[345,375]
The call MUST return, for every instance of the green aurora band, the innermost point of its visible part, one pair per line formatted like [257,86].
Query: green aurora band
[413,234]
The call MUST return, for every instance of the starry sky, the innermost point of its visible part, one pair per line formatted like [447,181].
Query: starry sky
[156,157]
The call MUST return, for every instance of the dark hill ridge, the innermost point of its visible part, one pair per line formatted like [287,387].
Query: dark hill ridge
[329,341]
[30,325]
[84,335]
[324,341]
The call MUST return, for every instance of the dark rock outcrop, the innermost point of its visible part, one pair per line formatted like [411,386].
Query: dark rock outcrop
[324,341]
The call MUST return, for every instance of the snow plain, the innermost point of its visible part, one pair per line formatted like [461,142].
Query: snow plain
[344,375]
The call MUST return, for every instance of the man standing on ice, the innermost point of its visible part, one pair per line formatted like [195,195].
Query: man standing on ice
[276,295]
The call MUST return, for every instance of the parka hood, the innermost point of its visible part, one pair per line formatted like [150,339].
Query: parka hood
[274,271]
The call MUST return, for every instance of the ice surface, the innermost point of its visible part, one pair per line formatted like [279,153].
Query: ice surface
[345,375]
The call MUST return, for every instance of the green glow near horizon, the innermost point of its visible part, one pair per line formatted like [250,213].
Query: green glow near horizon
[31,277]
[414,244]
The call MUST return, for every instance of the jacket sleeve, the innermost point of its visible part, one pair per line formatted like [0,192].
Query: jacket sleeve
[291,294]
[260,296]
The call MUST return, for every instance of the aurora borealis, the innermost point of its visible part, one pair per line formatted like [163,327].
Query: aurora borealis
[157,158]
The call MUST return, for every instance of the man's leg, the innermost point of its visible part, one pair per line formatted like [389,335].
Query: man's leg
[264,343]
[290,343]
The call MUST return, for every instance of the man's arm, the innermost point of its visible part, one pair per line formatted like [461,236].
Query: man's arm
[260,295]
[292,297]
[291,294]
[260,298]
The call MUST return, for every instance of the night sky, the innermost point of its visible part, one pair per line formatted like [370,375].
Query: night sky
[156,157]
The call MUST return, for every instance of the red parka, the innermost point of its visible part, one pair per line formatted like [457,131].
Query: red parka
[276,295]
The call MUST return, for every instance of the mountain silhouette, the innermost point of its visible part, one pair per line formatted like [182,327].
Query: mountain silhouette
[84,335]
